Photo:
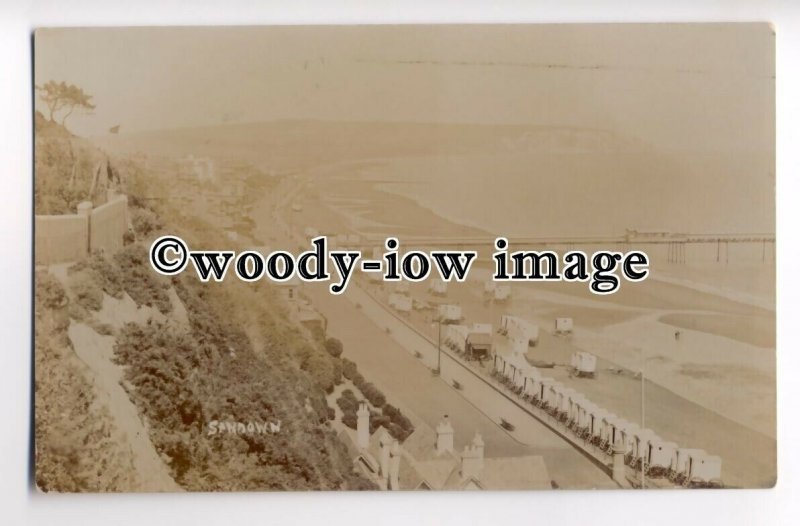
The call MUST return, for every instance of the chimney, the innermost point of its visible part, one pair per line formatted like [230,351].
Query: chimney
[471,462]
[394,466]
[362,425]
[477,443]
[444,436]
[386,444]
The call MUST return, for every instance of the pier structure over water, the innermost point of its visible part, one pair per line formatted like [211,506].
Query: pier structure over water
[673,246]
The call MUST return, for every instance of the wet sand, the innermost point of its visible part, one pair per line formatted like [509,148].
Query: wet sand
[755,330]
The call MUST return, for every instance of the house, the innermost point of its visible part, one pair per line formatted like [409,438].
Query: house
[428,460]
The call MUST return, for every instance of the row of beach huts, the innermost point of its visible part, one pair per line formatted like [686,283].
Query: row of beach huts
[643,449]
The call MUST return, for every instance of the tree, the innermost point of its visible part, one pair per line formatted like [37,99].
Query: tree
[62,96]
[334,347]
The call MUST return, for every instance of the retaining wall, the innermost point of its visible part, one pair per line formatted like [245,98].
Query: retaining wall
[72,237]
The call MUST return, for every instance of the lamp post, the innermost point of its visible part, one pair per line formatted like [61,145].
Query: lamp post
[438,369]
[439,347]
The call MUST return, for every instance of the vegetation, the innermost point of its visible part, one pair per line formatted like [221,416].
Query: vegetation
[64,169]
[390,417]
[334,347]
[62,96]
[136,276]
[183,381]
[90,278]
[75,449]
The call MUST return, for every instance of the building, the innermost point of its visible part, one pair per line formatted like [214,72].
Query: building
[478,345]
[428,460]
[290,291]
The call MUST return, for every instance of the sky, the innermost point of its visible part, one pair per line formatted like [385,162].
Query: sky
[677,87]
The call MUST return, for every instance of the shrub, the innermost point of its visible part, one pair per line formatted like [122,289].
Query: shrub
[320,368]
[337,371]
[145,221]
[397,432]
[358,380]
[143,285]
[101,272]
[348,404]
[87,293]
[334,347]
[49,292]
[373,394]
[377,420]
[349,369]
[391,411]
[350,420]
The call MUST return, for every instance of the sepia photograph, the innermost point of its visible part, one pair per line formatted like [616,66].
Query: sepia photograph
[236,284]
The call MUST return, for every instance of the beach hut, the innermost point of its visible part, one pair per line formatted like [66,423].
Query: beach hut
[400,303]
[640,441]
[502,292]
[553,394]
[456,337]
[531,380]
[584,363]
[607,428]
[626,436]
[573,400]
[679,465]
[518,329]
[437,287]
[564,402]
[563,325]
[449,313]
[596,416]
[517,369]
[478,345]
[589,409]
[521,375]
[499,364]
[614,426]
[544,389]
[582,420]
[659,456]
[704,470]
